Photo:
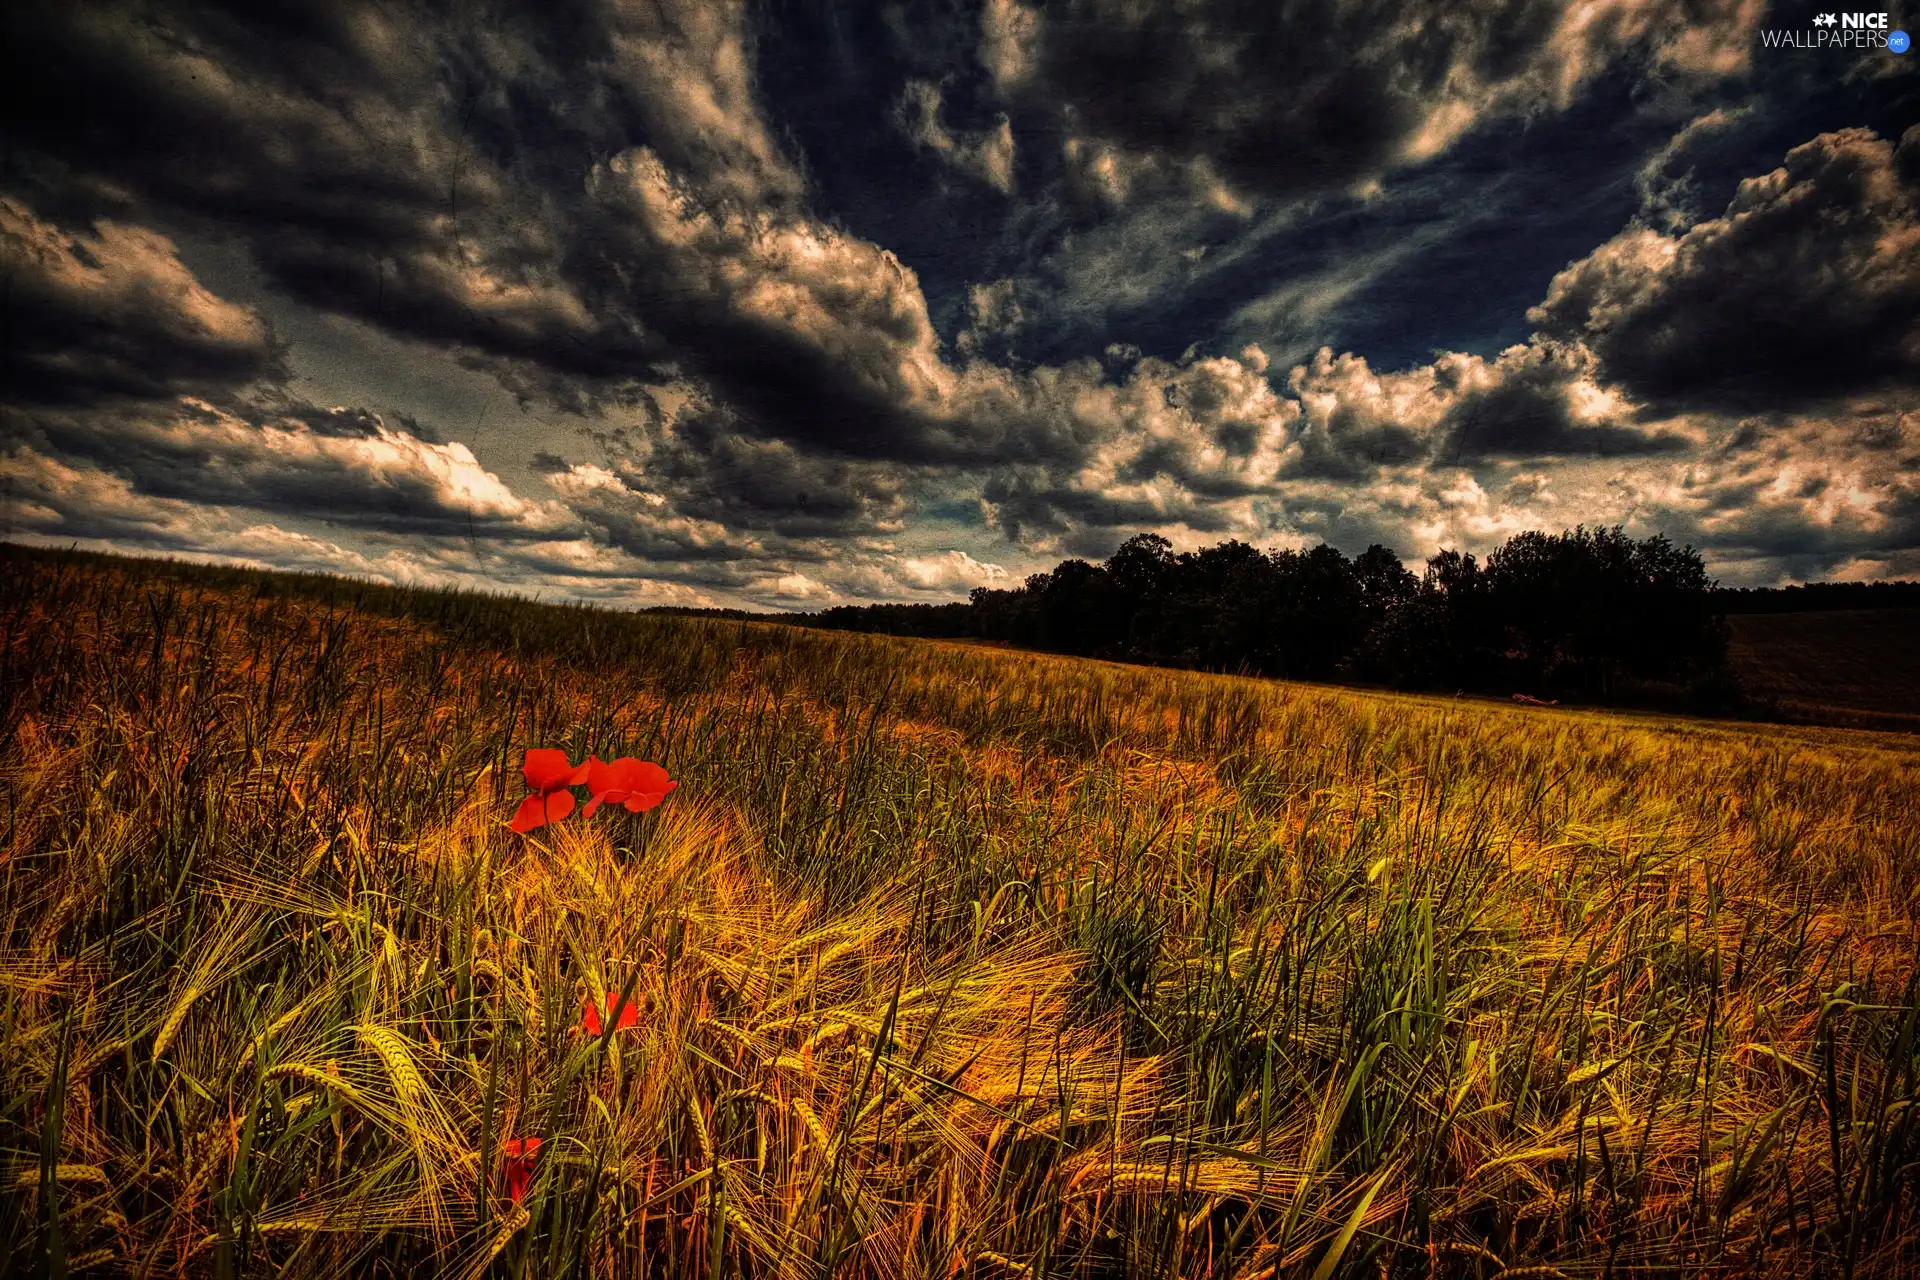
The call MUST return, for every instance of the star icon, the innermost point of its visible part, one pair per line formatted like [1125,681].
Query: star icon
[1825,20]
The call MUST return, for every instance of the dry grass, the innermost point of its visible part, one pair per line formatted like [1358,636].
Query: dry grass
[951,960]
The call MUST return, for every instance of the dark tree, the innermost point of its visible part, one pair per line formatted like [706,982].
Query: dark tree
[1588,613]
[1581,610]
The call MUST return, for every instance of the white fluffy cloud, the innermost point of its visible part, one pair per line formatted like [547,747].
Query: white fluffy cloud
[946,572]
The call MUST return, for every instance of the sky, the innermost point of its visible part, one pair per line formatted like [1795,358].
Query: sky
[791,304]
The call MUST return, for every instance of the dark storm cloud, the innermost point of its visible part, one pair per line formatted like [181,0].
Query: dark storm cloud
[578,203]
[1030,502]
[120,358]
[581,198]
[351,469]
[1540,399]
[642,525]
[1154,442]
[1528,411]
[340,421]
[587,197]
[601,206]
[1803,496]
[1806,288]
[716,470]
[108,312]
[768,485]
[390,162]
[1745,526]
[1298,175]
[825,339]
[1283,100]
[52,503]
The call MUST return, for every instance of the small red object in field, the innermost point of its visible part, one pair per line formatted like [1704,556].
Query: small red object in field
[627,1017]
[516,1160]
[637,784]
[548,773]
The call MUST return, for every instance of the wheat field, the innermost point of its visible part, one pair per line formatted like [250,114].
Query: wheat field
[948,961]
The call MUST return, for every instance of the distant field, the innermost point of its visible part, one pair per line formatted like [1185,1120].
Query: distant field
[949,960]
[1856,667]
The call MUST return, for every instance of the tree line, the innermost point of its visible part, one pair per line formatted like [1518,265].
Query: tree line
[1591,614]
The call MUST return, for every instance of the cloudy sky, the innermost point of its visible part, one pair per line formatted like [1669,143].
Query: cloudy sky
[795,303]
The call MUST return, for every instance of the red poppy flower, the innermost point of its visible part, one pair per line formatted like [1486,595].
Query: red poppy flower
[516,1160]
[637,784]
[627,1017]
[548,774]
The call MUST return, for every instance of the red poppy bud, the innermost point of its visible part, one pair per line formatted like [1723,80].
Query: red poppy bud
[516,1163]
[627,1017]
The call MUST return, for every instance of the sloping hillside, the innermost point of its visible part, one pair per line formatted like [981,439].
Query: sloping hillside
[1847,667]
[941,960]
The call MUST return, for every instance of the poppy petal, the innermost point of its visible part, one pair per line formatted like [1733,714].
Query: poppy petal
[628,1017]
[532,814]
[601,776]
[592,1019]
[559,804]
[592,805]
[652,789]
[547,769]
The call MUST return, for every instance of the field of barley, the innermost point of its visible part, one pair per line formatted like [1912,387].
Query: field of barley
[946,960]
[1850,667]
